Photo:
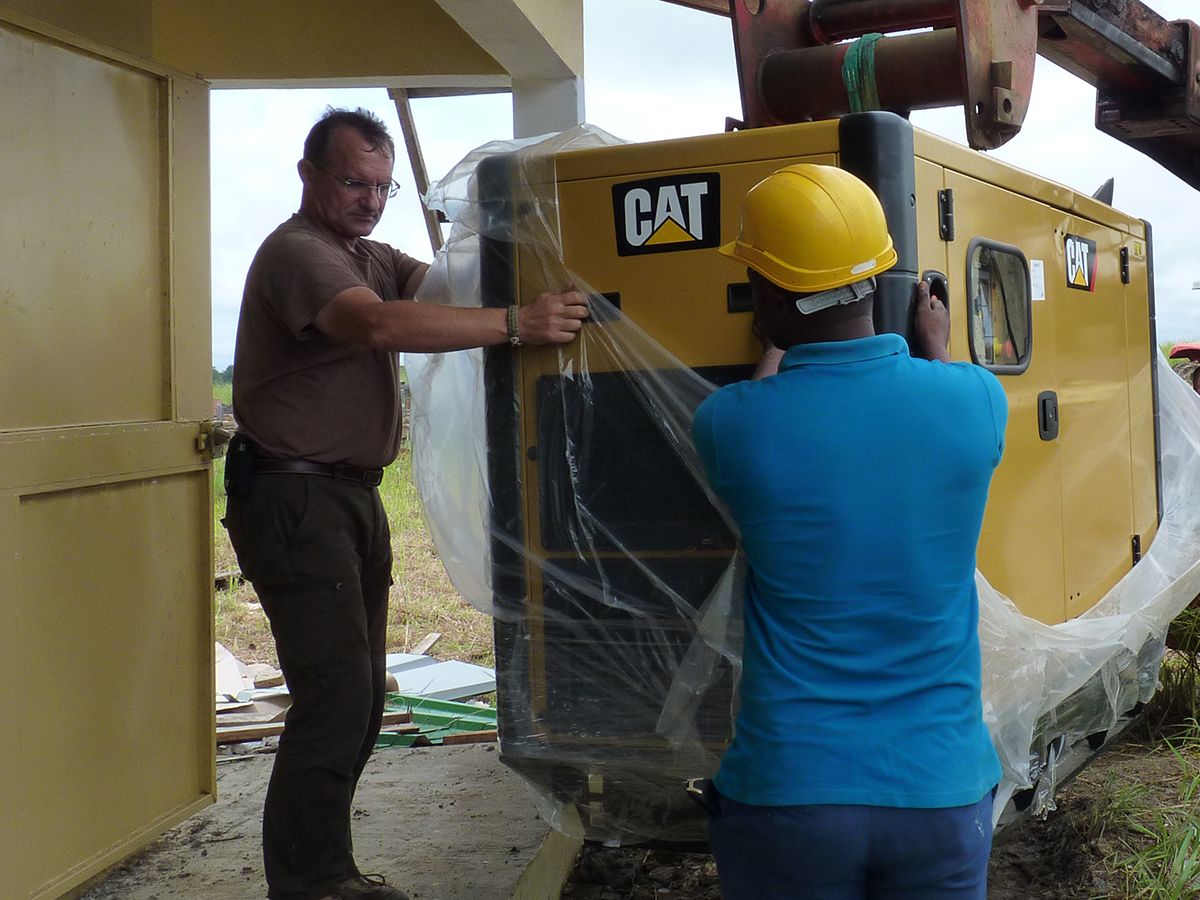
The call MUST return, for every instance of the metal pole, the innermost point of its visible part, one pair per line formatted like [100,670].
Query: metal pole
[915,71]
[834,20]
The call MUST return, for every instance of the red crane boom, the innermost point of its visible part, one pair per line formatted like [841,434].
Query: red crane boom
[810,59]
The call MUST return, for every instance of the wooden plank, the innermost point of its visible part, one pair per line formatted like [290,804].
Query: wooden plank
[397,722]
[471,737]
[239,733]
[426,643]
[269,680]
[230,721]
[408,128]
[234,706]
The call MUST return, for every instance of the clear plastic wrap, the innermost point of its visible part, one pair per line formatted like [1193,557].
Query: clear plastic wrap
[618,610]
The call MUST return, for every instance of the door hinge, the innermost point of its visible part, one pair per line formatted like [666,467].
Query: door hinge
[1124,265]
[204,438]
[946,214]
[1137,548]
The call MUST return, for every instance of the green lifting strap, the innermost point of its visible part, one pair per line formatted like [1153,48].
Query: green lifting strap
[858,74]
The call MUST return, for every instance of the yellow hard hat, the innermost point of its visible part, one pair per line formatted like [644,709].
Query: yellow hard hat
[810,228]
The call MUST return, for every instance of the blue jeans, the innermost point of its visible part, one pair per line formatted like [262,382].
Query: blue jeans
[851,852]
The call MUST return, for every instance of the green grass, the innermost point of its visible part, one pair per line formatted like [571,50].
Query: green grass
[1176,705]
[1157,824]
[1119,802]
[223,391]
[1164,844]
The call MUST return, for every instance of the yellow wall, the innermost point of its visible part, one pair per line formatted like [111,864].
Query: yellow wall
[123,24]
[315,39]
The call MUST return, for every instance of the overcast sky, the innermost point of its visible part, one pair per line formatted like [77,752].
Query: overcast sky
[655,70]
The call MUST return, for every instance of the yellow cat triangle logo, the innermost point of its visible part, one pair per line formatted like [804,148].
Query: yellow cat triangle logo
[1081,262]
[669,232]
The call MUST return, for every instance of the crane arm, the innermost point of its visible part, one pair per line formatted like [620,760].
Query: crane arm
[808,59]
[1145,71]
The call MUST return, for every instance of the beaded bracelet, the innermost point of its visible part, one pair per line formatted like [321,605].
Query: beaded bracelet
[514,333]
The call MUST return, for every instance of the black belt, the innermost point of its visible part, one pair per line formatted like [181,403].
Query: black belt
[340,471]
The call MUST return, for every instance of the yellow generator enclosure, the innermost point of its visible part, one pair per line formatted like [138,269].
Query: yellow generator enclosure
[1048,289]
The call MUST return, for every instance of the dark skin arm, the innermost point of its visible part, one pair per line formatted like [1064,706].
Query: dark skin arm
[931,326]
[358,316]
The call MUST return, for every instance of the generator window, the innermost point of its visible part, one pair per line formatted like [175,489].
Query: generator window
[999,308]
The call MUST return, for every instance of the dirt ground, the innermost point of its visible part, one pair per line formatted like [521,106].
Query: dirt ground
[455,824]
[1073,855]
[442,823]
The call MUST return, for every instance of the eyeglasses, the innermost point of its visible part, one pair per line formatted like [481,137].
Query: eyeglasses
[362,188]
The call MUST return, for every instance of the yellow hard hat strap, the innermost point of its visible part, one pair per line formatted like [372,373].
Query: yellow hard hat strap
[850,293]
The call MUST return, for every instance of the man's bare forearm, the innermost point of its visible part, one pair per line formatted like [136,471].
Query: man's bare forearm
[358,316]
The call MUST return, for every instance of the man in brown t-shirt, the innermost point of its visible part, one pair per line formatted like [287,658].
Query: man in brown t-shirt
[316,397]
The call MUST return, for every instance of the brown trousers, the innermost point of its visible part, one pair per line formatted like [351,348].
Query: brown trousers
[318,552]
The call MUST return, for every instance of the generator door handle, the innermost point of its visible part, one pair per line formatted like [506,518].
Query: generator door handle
[1047,404]
[938,286]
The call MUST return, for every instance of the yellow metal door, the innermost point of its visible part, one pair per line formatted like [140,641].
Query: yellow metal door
[105,488]
[1021,547]
[1085,294]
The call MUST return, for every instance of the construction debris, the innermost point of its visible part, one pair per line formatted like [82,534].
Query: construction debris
[450,680]
[236,733]
[252,701]
[440,722]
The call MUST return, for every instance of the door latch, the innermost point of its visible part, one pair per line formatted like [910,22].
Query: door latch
[1047,406]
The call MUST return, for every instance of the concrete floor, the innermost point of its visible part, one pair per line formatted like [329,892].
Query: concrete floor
[442,823]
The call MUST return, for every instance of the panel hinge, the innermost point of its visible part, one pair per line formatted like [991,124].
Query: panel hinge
[1124,265]
[1137,548]
[946,214]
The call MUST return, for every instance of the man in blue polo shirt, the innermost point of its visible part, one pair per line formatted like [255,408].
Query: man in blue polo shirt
[857,475]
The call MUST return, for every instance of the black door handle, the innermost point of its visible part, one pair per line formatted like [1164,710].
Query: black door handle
[938,286]
[1047,404]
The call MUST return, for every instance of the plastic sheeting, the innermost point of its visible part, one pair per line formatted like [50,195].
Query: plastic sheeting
[619,612]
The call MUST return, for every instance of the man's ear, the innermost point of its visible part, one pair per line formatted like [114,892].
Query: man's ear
[306,170]
[777,302]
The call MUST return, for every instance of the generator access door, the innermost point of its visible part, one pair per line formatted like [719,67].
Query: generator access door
[106,649]
[1043,305]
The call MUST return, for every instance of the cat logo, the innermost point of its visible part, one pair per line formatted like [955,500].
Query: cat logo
[1081,263]
[659,215]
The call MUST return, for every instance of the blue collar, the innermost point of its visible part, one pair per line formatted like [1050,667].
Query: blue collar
[840,352]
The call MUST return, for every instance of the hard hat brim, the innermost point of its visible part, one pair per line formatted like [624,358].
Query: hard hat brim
[803,282]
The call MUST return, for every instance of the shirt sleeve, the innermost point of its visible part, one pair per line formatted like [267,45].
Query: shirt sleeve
[305,273]
[998,406]
[704,436]
[405,266]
